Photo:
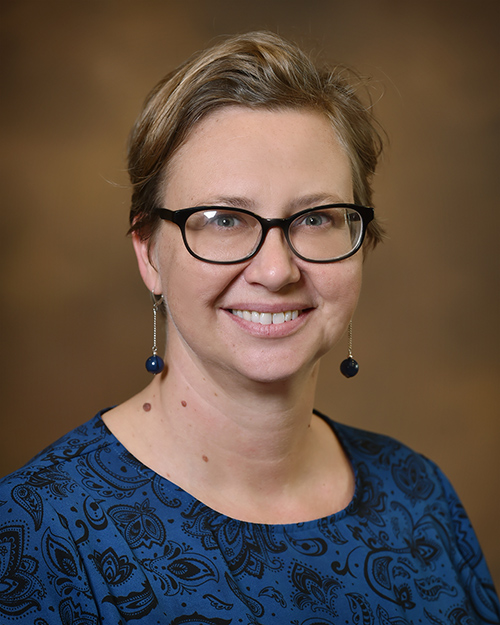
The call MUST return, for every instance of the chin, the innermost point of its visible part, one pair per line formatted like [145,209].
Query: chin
[286,368]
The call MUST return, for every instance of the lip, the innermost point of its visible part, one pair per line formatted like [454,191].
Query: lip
[271,330]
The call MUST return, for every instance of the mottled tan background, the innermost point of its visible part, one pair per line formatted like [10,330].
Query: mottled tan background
[76,324]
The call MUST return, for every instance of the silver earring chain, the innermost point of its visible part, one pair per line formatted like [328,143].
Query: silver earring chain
[155,313]
[155,347]
[349,339]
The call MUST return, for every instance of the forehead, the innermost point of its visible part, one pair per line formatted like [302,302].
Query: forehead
[256,152]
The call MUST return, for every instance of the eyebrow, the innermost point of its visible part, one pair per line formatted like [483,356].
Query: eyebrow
[317,199]
[307,201]
[235,201]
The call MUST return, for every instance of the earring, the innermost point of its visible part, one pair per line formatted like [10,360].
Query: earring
[349,367]
[155,364]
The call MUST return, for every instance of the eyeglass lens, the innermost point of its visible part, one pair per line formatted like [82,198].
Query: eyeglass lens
[227,235]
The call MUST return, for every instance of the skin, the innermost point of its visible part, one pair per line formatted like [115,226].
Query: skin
[230,419]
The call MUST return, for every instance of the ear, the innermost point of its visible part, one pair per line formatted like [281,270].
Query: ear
[149,273]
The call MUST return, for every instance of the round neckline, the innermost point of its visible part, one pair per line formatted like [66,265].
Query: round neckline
[191,500]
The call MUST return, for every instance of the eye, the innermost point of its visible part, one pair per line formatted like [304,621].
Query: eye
[320,219]
[225,221]
[315,219]
[220,221]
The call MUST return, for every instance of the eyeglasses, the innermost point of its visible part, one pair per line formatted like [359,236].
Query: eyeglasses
[223,235]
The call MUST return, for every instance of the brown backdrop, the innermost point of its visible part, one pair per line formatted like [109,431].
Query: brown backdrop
[76,320]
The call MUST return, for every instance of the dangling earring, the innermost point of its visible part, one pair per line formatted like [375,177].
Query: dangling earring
[349,367]
[155,364]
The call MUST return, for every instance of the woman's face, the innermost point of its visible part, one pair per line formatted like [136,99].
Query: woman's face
[273,163]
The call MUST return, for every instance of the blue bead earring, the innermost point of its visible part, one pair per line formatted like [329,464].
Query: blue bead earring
[349,367]
[155,364]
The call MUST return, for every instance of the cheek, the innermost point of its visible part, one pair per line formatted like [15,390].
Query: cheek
[340,297]
[341,284]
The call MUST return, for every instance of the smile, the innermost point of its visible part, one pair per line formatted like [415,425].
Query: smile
[266,318]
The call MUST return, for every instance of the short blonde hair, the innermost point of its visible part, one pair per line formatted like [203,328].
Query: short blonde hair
[256,70]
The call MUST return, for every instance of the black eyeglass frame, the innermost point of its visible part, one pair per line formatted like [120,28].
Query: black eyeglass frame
[180,217]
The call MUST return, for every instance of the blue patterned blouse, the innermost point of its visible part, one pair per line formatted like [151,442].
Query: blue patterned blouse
[89,535]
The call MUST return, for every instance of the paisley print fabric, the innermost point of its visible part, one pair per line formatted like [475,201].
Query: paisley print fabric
[88,535]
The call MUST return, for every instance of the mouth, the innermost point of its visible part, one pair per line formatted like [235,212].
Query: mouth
[266,318]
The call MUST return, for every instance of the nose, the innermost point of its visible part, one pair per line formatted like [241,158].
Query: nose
[274,266]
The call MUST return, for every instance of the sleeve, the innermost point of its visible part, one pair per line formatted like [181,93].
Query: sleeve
[471,562]
[42,576]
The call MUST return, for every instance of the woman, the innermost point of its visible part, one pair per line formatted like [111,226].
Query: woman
[217,495]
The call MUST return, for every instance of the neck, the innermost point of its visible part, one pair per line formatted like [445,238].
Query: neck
[250,419]
[250,449]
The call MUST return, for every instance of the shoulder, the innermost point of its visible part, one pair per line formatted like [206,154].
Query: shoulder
[55,478]
[408,496]
[410,472]
[41,565]
[411,476]
[394,481]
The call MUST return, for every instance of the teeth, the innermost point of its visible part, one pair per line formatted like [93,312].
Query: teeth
[279,318]
[266,318]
